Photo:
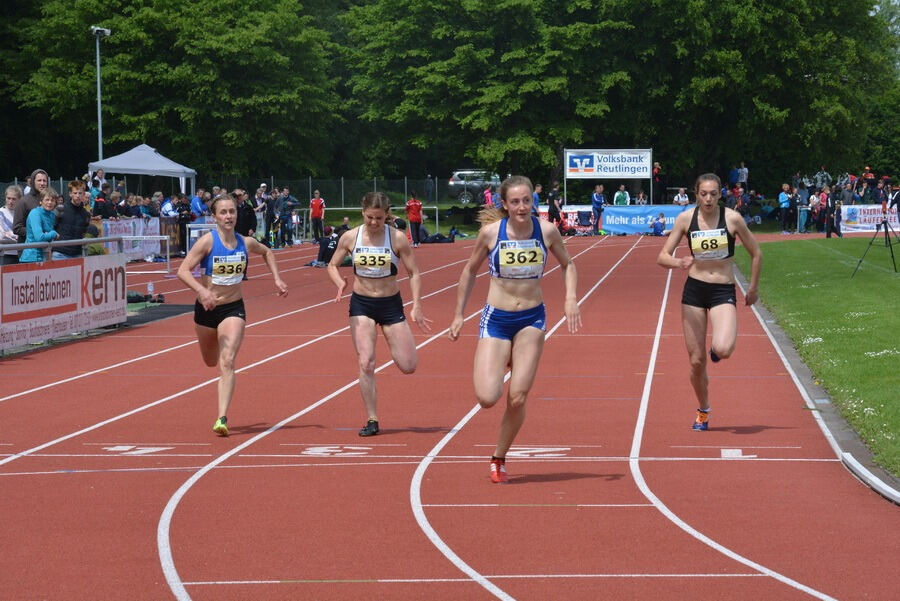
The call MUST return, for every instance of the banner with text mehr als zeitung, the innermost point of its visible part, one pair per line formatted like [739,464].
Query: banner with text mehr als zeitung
[633,163]
[39,301]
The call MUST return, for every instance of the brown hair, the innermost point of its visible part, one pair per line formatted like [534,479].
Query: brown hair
[708,177]
[76,184]
[377,200]
[496,213]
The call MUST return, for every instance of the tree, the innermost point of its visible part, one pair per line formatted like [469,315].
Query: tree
[212,83]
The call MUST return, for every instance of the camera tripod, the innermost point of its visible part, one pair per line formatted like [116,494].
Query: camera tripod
[887,242]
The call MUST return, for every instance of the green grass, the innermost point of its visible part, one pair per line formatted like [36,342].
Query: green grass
[846,330]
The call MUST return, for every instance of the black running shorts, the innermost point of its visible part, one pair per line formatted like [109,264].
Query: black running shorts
[382,310]
[707,295]
[212,319]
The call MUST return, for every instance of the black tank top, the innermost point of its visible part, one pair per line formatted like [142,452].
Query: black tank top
[710,245]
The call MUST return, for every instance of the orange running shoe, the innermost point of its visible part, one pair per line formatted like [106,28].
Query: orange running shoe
[702,421]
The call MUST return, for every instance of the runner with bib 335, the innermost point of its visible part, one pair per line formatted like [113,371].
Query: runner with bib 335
[709,292]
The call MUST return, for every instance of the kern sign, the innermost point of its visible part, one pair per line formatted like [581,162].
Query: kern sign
[609,164]
[39,301]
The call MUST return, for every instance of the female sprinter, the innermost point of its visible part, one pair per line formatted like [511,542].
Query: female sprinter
[709,293]
[219,315]
[514,319]
[375,249]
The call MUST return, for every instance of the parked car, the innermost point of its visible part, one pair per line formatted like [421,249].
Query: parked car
[466,184]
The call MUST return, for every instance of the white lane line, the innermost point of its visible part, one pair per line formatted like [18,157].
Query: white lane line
[854,466]
[466,580]
[635,460]
[201,385]
[164,549]
[415,486]
[189,343]
[454,505]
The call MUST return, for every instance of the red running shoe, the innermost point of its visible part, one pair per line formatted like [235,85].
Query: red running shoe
[498,471]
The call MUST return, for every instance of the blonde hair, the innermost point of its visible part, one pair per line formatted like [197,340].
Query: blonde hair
[496,213]
[226,196]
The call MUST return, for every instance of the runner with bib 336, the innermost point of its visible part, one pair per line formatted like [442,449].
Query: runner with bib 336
[709,292]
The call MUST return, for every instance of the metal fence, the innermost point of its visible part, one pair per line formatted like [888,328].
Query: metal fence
[338,193]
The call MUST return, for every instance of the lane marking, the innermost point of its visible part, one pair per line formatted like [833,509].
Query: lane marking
[189,343]
[854,466]
[466,580]
[634,465]
[164,549]
[210,381]
[415,486]
[443,460]
[735,454]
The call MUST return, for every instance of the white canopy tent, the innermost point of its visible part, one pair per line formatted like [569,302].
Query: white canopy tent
[144,160]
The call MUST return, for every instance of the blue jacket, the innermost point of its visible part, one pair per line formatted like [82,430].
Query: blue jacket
[39,226]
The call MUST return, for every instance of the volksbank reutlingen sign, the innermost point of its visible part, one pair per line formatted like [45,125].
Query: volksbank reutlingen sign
[609,164]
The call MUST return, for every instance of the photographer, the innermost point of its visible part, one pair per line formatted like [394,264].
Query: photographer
[184,215]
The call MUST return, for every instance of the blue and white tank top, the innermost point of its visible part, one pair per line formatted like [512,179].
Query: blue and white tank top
[374,261]
[226,266]
[518,259]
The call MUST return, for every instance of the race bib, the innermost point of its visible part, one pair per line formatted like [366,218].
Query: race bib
[372,261]
[520,259]
[228,270]
[708,245]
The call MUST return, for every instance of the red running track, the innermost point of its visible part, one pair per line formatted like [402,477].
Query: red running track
[114,487]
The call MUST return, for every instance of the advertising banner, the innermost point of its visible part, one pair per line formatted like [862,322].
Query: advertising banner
[609,164]
[39,301]
[134,226]
[637,219]
[866,218]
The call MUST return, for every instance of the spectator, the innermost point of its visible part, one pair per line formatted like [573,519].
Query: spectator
[784,206]
[536,199]
[429,189]
[659,225]
[167,208]
[733,175]
[598,205]
[622,198]
[641,198]
[327,245]
[343,228]
[317,214]
[245,222]
[681,199]
[565,229]
[39,226]
[878,193]
[198,207]
[414,217]
[822,178]
[31,199]
[185,216]
[743,176]
[7,235]
[73,222]
[273,215]
[868,177]
[288,204]
[102,206]
[659,184]
[894,202]
[554,203]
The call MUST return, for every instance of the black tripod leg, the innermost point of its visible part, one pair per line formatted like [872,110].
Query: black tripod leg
[866,252]
[887,241]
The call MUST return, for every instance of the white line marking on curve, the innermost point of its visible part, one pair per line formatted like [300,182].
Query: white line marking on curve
[634,464]
[415,487]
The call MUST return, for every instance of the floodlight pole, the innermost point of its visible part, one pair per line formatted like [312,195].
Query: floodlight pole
[99,32]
